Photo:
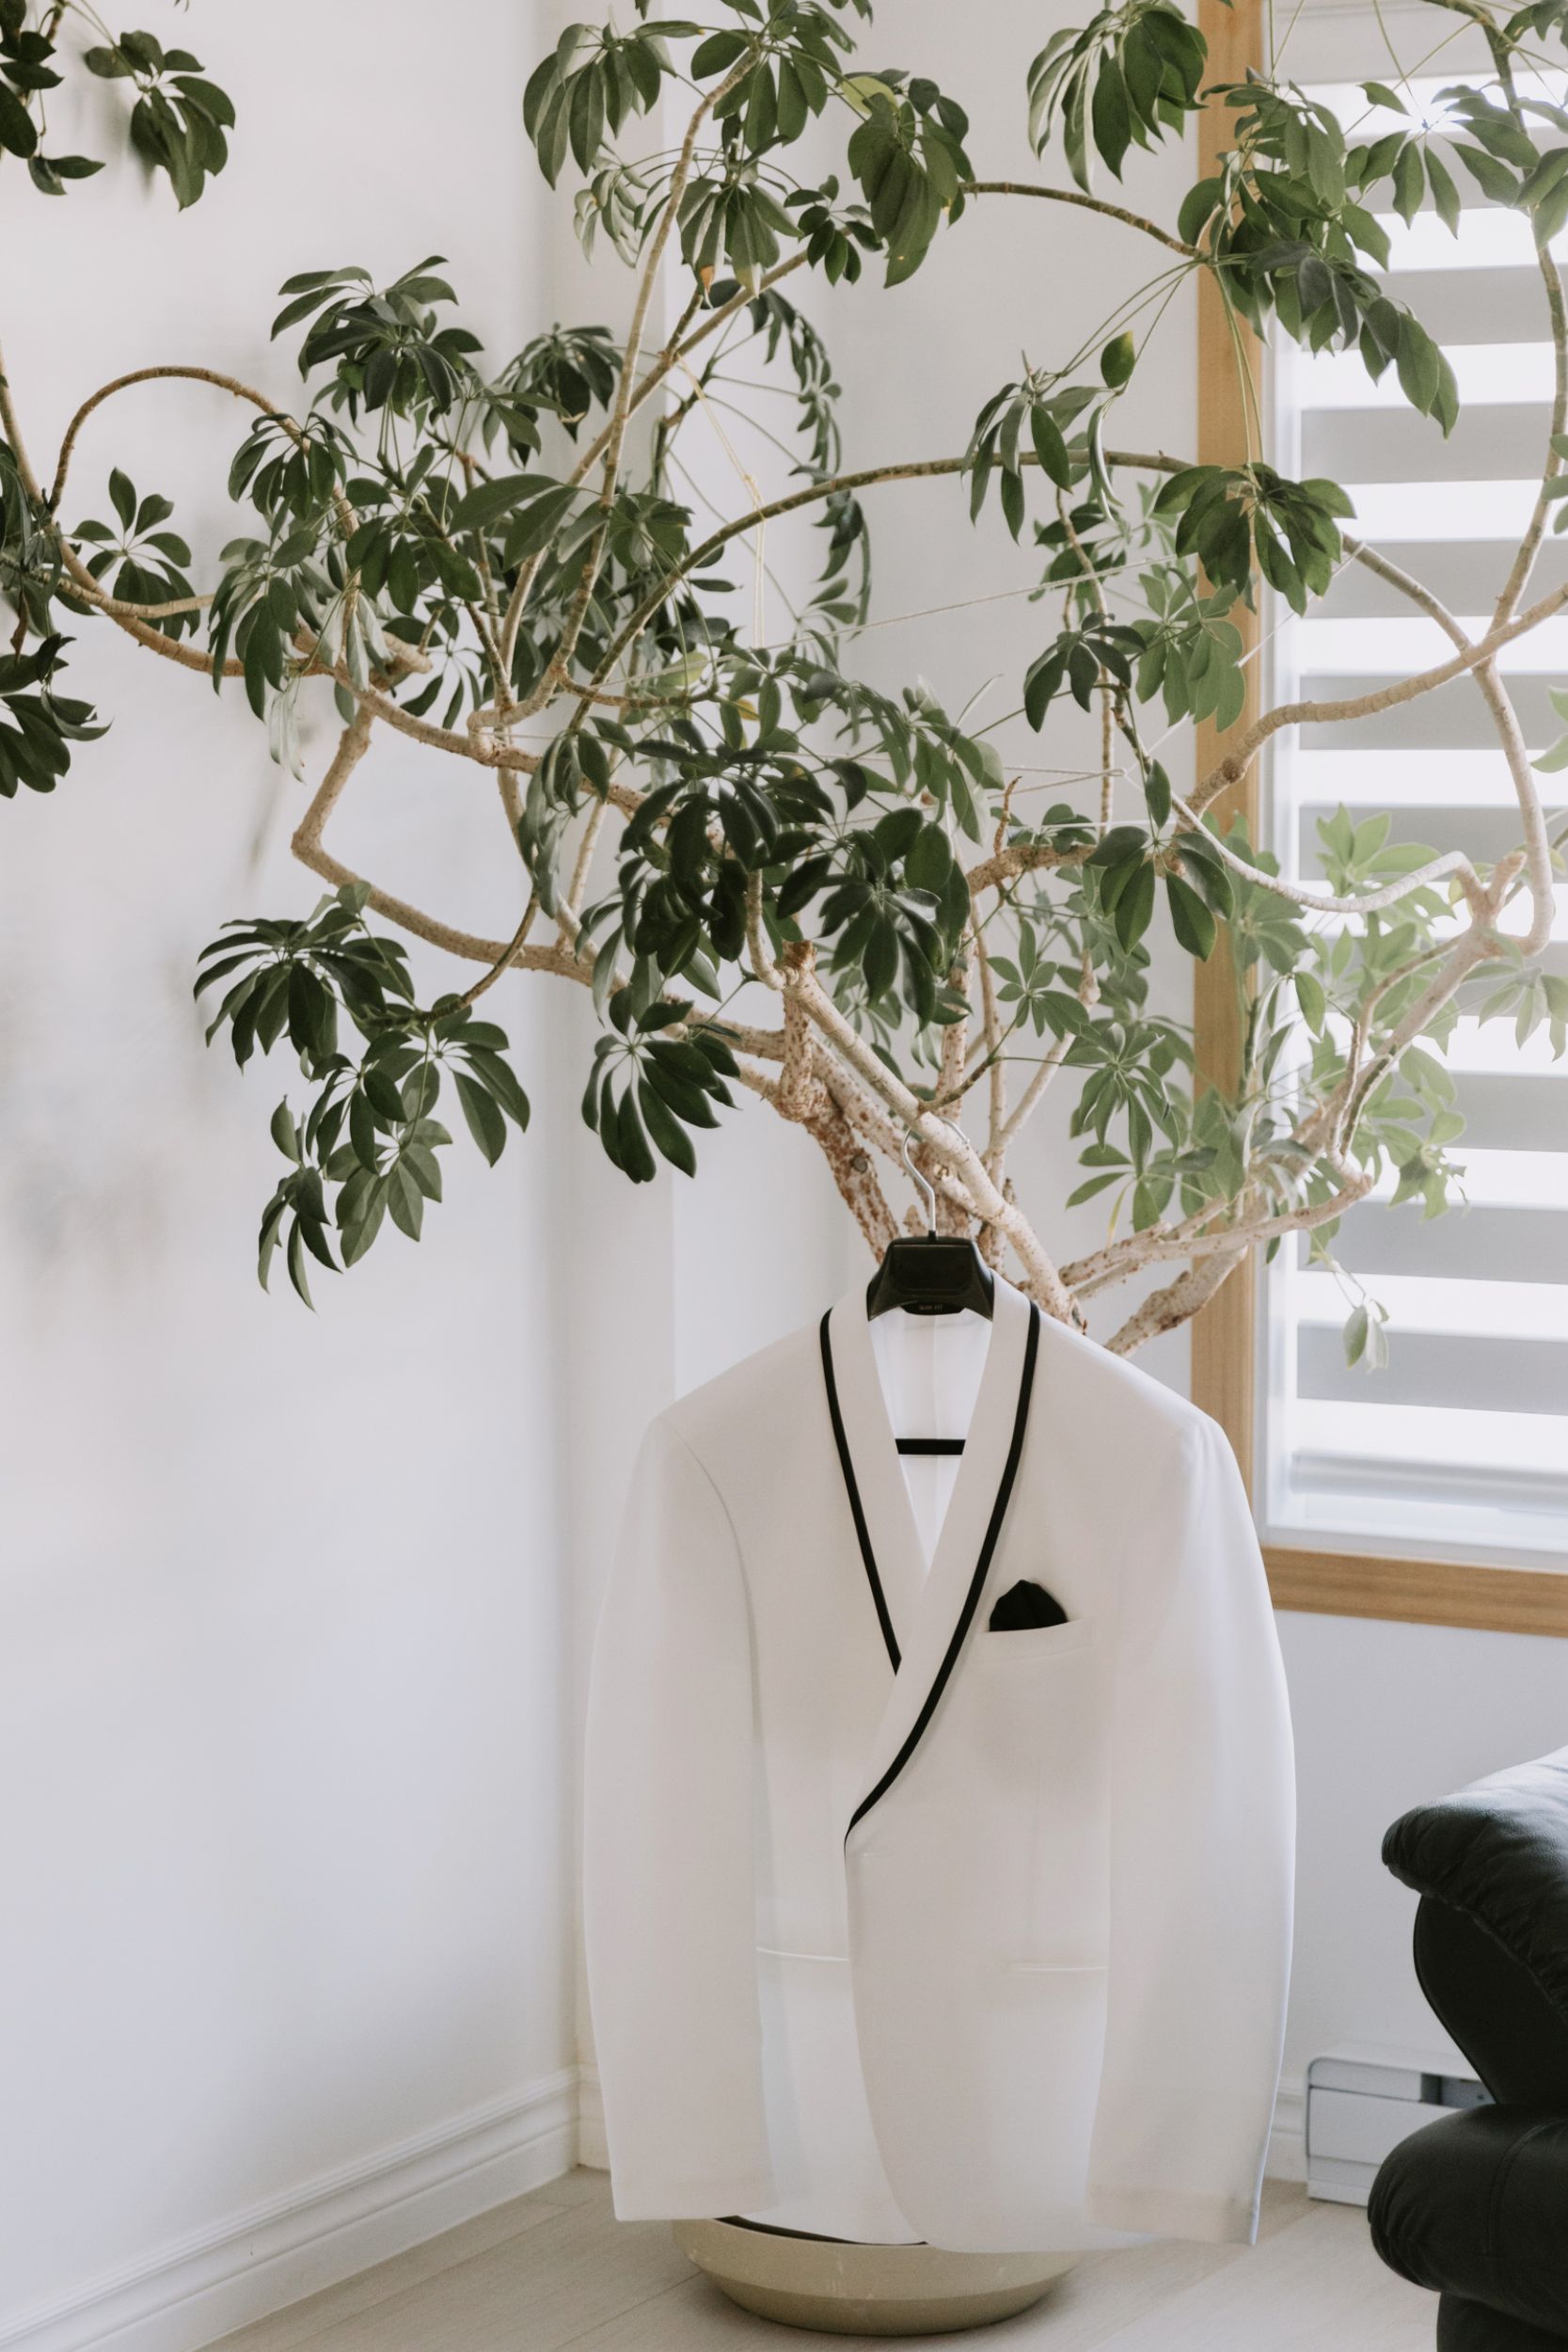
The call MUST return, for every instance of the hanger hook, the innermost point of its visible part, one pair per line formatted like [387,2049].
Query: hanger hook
[922,1181]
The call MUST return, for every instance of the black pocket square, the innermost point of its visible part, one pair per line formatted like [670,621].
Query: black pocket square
[1026,1605]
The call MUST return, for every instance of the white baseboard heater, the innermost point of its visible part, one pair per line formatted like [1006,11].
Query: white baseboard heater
[1361,2102]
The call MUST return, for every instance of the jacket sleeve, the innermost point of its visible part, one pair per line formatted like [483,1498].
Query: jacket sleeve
[1202,1871]
[668,1897]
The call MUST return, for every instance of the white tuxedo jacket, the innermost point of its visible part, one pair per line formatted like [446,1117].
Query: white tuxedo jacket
[901,1927]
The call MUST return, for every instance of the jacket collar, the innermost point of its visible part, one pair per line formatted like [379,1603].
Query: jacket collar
[926,1614]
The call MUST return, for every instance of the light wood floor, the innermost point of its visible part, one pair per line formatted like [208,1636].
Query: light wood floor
[557,2269]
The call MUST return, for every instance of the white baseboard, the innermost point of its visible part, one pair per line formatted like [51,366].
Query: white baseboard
[185,2296]
[1287,2157]
[593,2147]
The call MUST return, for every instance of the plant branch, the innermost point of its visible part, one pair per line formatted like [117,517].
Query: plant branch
[1538,849]
[806,1100]
[307,847]
[1325,902]
[1166,1309]
[12,430]
[946,1143]
[1234,766]
[990,1029]
[1088,204]
[914,469]
[150,375]
[763,964]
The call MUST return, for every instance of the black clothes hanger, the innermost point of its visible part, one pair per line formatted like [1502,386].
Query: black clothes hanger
[931,1273]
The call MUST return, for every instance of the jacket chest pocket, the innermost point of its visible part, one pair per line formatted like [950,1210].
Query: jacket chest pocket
[1035,1645]
[1039,1698]
[1035,1692]
[1035,1705]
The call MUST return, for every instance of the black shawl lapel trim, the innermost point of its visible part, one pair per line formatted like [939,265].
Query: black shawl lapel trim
[852,1490]
[976,1582]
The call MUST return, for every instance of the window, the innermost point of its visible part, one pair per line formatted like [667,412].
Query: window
[1453,1459]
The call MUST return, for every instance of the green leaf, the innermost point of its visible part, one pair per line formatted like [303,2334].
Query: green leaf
[666,1130]
[793,113]
[296,1254]
[18,130]
[1111,116]
[1313,1003]
[284,1133]
[930,862]
[424,1168]
[1118,359]
[359,1231]
[486,1122]
[718,54]
[1494,179]
[1010,489]
[1419,366]
[1134,907]
[631,1143]
[1050,447]
[1123,845]
[489,500]
[1445,195]
[1096,1183]
[499,1080]
[1041,682]
[50,172]
[538,523]
[405,1199]
[272,1225]
[1409,181]
[1190,918]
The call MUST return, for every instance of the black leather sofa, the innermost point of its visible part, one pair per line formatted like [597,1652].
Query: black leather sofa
[1476,2207]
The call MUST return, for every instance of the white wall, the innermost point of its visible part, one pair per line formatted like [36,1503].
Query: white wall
[287,1871]
[1388,1716]
[299,1609]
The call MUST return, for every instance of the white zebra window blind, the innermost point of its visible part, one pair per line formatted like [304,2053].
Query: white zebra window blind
[1459,1446]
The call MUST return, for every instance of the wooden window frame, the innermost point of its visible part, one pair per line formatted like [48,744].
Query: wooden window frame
[1225,1334]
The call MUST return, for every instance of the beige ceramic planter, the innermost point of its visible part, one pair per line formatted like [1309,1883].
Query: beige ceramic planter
[847,2289]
